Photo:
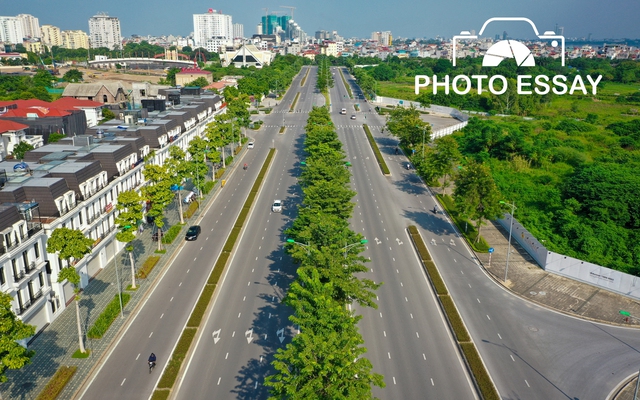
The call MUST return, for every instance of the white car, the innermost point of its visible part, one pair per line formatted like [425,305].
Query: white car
[250,145]
[277,206]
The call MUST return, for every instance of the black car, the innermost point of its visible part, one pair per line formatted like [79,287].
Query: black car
[193,232]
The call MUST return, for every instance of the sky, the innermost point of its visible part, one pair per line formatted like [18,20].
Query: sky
[353,18]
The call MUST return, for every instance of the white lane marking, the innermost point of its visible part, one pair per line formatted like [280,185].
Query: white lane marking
[488,317]
[417,335]
[244,298]
[180,284]
[233,334]
[150,334]
[195,258]
[380,315]
[138,357]
[425,357]
[219,381]
[478,300]
[469,284]
[227,356]
[248,283]
[397,271]
[253,269]
[201,248]
[411,315]
[162,316]
[432,384]
[525,381]
[401,284]
[123,381]
[385,333]
[499,336]
[394,380]
[171,299]
[462,272]
[389,354]
[239,314]
[512,359]
[405,299]
[188,270]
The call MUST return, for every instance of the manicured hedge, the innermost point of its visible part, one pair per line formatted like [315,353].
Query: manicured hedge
[201,306]
[208,185]
[304,79]
[147,266]
[233,236]
[174,231]
[435,277]
[282,129]
[242,217]
[376,151]
[178,356]
[219,173]
[483,379]
[267,110]
[454,318]
[191,209]
[293,104]
[57,383]
[160,394]
[107,317]
[218,268]
[346,84]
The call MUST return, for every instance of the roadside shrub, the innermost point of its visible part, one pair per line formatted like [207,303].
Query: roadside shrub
[376,151]
[267,110]
[294,102]
[219,173]
[228,160]
[201,306]
[233,236]
[188,213]
[435,277]
[218,268]
[479,372]
[180,352]
[174,231]
[147,266]
[160,394]
[107,317]
[454,318]
[254,112]
[57,383]
[208,185]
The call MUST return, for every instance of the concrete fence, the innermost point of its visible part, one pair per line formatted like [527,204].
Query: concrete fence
[573,268]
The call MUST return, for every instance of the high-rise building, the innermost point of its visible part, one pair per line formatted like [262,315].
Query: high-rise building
[212,30]
[504,35]
[383,38]
[30,26]
[11,30]
[238,31]
[104,31]
[51,35]
[75,40]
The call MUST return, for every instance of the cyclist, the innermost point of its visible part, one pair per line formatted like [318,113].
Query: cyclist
[245,166]
[152,360]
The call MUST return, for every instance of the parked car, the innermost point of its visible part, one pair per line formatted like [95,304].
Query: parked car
[193,232]
[277,206]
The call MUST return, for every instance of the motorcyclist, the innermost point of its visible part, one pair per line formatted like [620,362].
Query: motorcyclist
[245,166]
[152,360]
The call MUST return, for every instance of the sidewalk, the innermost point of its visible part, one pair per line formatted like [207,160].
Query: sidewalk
[57,343]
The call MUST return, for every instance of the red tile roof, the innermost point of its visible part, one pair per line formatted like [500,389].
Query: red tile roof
[11,126]
[41,111]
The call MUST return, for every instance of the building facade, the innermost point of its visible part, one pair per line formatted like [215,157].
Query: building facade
[238,31]
[75,40]
[11,30]
[104,31]
[30,26]
[51,35]
[212,30]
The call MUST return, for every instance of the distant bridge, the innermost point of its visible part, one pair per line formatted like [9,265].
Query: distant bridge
[111,62]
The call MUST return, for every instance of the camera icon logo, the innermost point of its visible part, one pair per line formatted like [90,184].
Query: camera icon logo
[505,49]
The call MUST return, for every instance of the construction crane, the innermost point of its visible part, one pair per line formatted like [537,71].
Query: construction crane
[291,8]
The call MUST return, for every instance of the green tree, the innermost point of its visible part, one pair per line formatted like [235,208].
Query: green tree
[107,115]
[20,149]
[405,123]
[70,244]
[73,75]
[55,137]
[200,82]
[445,157]
[476,194]
[12,329]
[158,193]
[129,206]
[178,169]
[196,167]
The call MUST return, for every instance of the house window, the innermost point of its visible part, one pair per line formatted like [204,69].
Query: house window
[7,239]
[21,230]
[25,258]
[105,99]
[80,217]
[91,98]
[3,280]
[41,279]
[36,248]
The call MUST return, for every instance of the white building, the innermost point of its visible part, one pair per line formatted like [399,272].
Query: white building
[75,40]
[383,38]
[212,30]
[104,31]
[30,26]
[11,30]
[238,31]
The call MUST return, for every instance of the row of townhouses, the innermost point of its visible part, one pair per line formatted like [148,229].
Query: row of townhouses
[75,183]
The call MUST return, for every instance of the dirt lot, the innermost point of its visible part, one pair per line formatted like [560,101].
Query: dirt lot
[93,75]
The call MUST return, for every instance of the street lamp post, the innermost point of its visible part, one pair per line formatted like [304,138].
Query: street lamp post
[119,289]
[513,211]
[306,246]
[345,248]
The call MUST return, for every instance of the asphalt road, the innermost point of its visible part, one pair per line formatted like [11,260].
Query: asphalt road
[160,321]
[248,322]
[530,352]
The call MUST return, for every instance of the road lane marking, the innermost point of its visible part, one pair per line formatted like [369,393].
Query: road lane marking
[488,317]
[188,270]
[397,271]
[239,315]
[411,315]
[162,316]
[499,336]
[405,299]
[425,357]
[478,300]
[123,381]
[180,284]
[138,357]
[219,381]
[401,284]
[380,315]
[233,334]
[227,356]
[389,354]
[253,269]
[432,384]
[248,283]
[244,298]
[525,381]
[150,334]
[171,299]
[417,335]
[512,359]
[394,380]
[385,333]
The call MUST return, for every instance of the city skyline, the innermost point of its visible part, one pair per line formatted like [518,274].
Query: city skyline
[402,18]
